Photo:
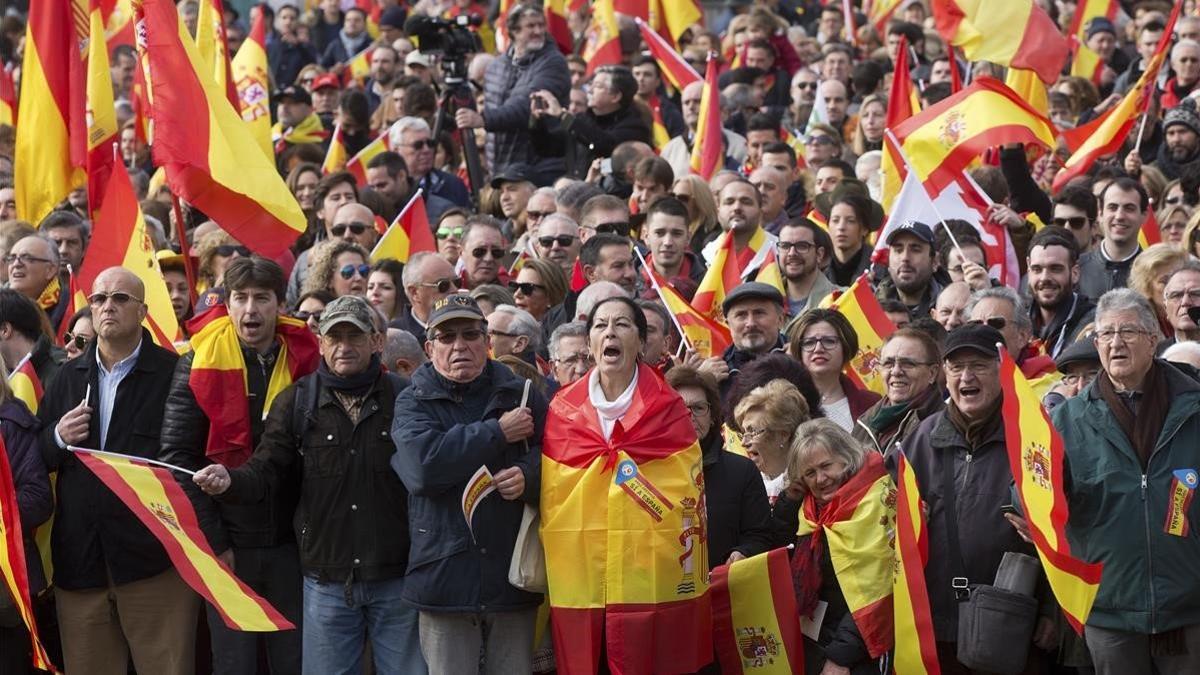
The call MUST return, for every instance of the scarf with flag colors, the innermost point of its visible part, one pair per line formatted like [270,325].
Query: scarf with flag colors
[154,496]
[756,626]
[916,648]
[204,144]
[623,525]
[675,69]
[309,130]
[857,524]
[860,307]
[218,378]
[252,77]
[1036,454]
[409,233]
[708,144]
[1014,33]
[12,561]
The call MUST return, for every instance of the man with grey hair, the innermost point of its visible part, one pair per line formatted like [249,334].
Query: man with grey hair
[557,240]
[540,205]
[512,330]
[1132,443]
[413,140]
[1181,294]
[402,353]
[427,278]
[33,271]
[594,293]
[570,354]
[1003,309]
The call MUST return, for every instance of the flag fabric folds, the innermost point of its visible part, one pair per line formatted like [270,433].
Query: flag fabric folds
[1014,33]
[706,337]
[722,276]
[1151,233]
[1085,11]
[252,78]
[26,385]
[1036,454]
[556,25]
[674,68]
[101,116]
[1026,85]
[213,47]
[602,44]
[338,154]
[860,307]
[756,626]
[154,496]
[708,146]
[409,233]
[8,98]
[1085,63]
[902,104]
[623,529]
[770,273]
[357,165]
[12,560]
[218,379]
[202,142]
[916,648]
[359,68]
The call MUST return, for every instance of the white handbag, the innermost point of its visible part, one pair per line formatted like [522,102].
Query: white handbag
[527,571]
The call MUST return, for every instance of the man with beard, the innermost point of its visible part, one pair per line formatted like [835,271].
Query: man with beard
[385,65]
[1181,151]
[803,248]
[754,312]
[910,269]
[1058,313]
[1123,205]
[739,210]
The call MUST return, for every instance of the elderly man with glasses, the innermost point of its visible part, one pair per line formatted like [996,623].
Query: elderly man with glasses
[427,278]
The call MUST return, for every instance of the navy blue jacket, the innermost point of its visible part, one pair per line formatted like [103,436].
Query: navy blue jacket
[35,501]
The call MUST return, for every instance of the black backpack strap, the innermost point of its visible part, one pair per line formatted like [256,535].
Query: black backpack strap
[304,406]
[960,582]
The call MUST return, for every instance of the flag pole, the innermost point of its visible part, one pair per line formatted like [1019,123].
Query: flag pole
[657,289]
[184,250]
[1137,144]
[936,211]
[132,458]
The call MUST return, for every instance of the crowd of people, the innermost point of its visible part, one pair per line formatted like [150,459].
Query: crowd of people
[367,394]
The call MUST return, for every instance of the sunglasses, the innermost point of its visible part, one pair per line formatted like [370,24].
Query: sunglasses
[449,338]
[563,240]
[226,250]
[305,316]
[348,271]
[482,251]
[80,341]
[818,140]
[442,285]
[537,215]
[997,322]
[427,143]
[683,198]
[119,298]
[613,228]
[1074,222]
[355,228]
[806,85]
[447,232]
[524,288]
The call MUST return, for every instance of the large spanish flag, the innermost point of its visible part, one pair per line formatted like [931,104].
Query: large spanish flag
[1035,454]
[204,145]
[154,496]
[916,648]
[218,379]
[1151,233]
[253,80]
[101,117]
[708,144]
[1014,33]
[942,140]
[857,525]
[756,626]
[860,307]
[602,44]
[674,68]
[12,560]
[213,47]
[409,233]
[51,144]
[624,530]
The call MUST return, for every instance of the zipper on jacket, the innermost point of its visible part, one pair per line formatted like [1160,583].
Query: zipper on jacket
[1149,557]
[967,469]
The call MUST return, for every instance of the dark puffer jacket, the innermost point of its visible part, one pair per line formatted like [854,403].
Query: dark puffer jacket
[506,90]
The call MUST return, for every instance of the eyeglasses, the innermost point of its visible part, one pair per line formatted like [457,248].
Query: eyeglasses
[621,228]
[977,368]
[905,365]
[537,215]
[751,435]
[1081,379]
[683,197]
[494,333]
[1172,201]
[572,360]
[800,246]
[563,240]
[118,297]
[355,228]
[80,341]
[1074,222]
[1127,334]
[806,85]
[305,316]
[827,342]
[525,288]
[447,232]
[442,285]
[1193,294]
[418,145]
[699,408]
[348,271]
[25,259]
[818,140]
[997,322]
[226,250]
[449,338]
[482,251]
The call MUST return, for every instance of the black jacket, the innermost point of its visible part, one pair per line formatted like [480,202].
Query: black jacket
[47,360]
[96,537]
[1069,320]
[266,522]
[739,515]
[839,638]
[351,522]
[507,86]
[583,138]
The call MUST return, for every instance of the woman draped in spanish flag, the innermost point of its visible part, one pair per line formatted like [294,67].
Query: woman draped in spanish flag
[843,563]
[623,513]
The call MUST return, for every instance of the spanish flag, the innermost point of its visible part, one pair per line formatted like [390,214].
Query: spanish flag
[903,103]
[916,648]
[359,68]
[856,525]
[409,233]
[722,276]
[941,141]
[860,307]
[203,143]
[357,165]
[252,77]
[659,133]
[1030,88]
[677,71]
[8,98]
[157,500]
[12,560]
[706,337]
[1151,233]
[118,22]
[26,385]
[771,273]
[880,12]
[101,116]
[1085,63]
[1086,10]
[1035,454]
[624,530]
[1013,33]
[218,379]
[708,144]
[338,154]
[214,49]
[556,25]
[602,44]
[756,626]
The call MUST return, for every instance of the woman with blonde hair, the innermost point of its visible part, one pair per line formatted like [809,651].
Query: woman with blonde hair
[695,194]
[767,417]
[1190,243]
[868,132]
[1173,220]
[215,250]
[1149,274]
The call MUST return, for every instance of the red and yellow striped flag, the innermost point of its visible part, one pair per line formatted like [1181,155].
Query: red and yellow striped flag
[903,103]
[756,625]
[252,77]
[101,116]
[556,25]
[708,145]
[8,98]
[218,379]
[357,165]
[706,337]
[359,68]
[338,154]
[214,48]
[1151,233]
[159,502]
[1035,454]
[409,233]
[860,307]
[602,44]
[623,528]
[203,143]
[26,385]
[1085,11]
[880,12]
[722,276]
[1030,88]
[677,71]
[1014,33]
[916,648]
[1085,63]
[771,274]
[12,560]
[658,133]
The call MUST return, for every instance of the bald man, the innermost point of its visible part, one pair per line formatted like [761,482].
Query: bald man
[355,223]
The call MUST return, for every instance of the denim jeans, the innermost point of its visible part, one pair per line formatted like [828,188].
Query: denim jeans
[274,573]
[459,643]
[336,627]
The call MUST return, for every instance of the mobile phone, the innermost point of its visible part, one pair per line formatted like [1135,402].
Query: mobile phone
[1010,509]
[606,166]
[538,103]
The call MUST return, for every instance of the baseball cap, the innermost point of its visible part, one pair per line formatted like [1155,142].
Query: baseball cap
[297,94]
[513,173]
[754,290]
[451,307]
[919,230]
[1082,351]
[326,80]
[416,58]
[981,338]
[349,309]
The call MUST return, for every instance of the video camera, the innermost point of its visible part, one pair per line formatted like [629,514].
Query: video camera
[452,38]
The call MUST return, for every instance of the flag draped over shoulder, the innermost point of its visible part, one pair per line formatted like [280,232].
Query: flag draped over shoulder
[708,145]
[756,626]
[154,496]
[916,648]
[218,379]
[1035,454]
[623,525]
[860,307]
[409,233]
[1014,33]
[251,76]
[856,525]
[204,145]
[12,560]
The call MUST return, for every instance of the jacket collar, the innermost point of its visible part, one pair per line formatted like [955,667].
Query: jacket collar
[946,435]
